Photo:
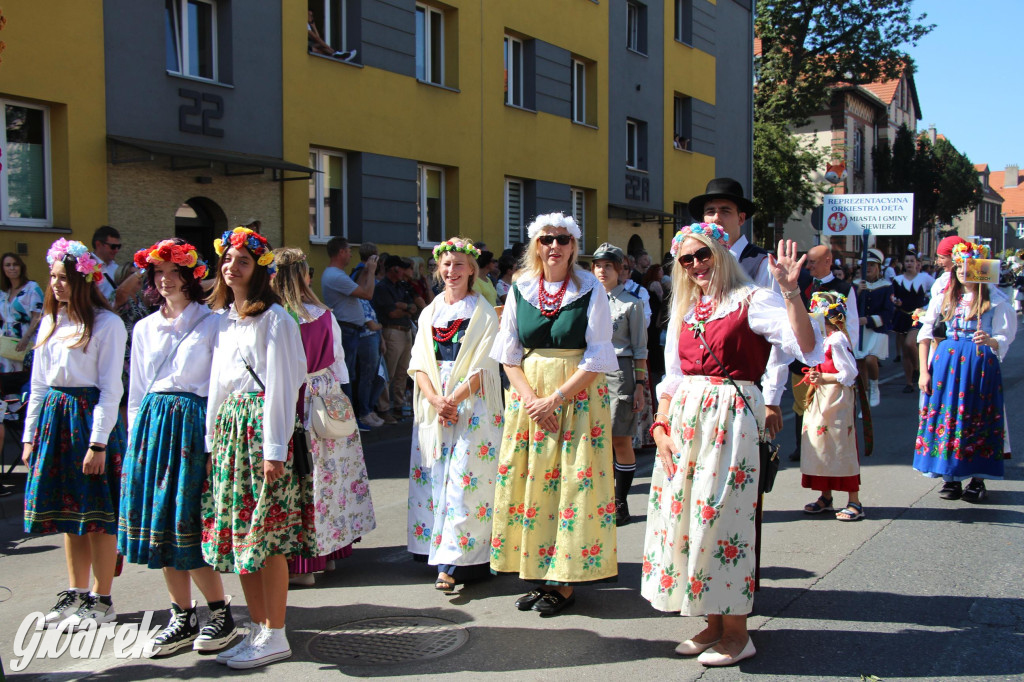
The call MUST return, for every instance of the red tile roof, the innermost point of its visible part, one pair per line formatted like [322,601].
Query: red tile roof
[1013,198]
[981,167]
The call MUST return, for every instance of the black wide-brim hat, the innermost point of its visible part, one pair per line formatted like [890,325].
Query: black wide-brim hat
[721,188]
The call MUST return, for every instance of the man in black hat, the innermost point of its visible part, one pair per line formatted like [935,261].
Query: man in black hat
[723,204]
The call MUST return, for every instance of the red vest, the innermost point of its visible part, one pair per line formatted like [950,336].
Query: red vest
[743,352]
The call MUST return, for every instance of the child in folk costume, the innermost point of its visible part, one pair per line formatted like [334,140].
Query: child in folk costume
[74,439]
[165,469]
[458,426]
[341,490]
[255,513]
[829,445]
[962,431]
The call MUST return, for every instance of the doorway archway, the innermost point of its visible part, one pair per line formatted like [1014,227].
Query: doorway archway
[198,221]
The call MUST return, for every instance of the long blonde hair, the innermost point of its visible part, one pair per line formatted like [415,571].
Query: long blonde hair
[531,266]
[290,282]
[726,276]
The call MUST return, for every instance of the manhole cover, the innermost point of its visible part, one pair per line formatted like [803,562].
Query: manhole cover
[388,640]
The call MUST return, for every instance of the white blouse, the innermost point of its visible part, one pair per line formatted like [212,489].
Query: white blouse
[271,344]
[1004,322]
[767,317]
[445,313]
[187,371]
[598,356]
[57,364]
[842,358]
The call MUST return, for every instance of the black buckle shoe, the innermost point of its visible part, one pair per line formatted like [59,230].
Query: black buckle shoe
[975,491]
[622,516]
[526,602]
[553,602]
[951,490]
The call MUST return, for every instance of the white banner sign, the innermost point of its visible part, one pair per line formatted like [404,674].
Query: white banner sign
[883,214]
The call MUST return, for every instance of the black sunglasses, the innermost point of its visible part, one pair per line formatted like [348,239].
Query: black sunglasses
[700,255]
[113,247]
[547,239]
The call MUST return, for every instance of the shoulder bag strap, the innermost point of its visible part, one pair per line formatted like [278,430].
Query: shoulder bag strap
[726,373]
[174,350]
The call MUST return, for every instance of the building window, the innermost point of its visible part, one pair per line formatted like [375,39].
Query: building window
[636,144]
[858,150]
[579,91]
[513,211]
[513,71]
[191,30]
[327,196]
[636,27]
[684,21]
[430,205]
[25,165]
[429,44]
[579,212]
[682,127]
[335,25]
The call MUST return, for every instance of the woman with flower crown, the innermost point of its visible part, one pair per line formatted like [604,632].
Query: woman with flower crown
[962,428]
[74,439]
[699,546]
[255,513]
[554,510]
[829,440]
[458,422]
[165,469]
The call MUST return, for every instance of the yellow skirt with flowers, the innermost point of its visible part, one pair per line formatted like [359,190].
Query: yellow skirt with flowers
[554,507]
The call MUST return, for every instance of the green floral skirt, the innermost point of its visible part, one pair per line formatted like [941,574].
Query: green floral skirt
[245,520]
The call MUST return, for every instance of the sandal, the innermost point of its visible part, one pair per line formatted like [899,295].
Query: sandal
[852,512]
[446,586]
[819,505]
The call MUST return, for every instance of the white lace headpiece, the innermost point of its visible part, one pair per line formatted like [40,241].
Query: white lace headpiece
[554,220]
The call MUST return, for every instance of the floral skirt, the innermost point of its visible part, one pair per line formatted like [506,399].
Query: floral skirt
[554,509]
[699,546]
[59,498]
[246,520]
[450,499]
[962,425]
[828,459]
[162,483]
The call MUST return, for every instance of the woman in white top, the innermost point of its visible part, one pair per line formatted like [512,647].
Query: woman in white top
[165,468]
[457,431]
[255,514]
[74,440]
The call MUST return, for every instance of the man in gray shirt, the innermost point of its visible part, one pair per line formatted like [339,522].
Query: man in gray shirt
[341,294]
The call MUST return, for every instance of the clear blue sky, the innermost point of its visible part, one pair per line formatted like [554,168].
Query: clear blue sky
[968,77]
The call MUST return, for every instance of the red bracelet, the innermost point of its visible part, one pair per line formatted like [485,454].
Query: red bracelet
[668,429]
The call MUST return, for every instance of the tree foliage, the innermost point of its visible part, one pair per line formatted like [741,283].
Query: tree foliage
[782,170]
[943,181]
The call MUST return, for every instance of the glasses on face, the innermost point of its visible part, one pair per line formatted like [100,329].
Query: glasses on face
[562,239]
[700,255]
[113,247]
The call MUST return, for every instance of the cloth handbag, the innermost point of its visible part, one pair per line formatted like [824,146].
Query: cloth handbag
[9,348]
[331,416]
[302,455]
[768,451]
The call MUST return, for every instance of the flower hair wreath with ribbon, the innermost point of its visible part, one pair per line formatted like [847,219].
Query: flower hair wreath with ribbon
[966,250]
[456,245]
[85,262]
[828,303]
[710,230]
[167,251]
[243,237]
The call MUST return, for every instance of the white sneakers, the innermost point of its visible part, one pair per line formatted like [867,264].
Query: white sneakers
[874,395]
[254,630]
[270,646]
[68,602]
[91,610]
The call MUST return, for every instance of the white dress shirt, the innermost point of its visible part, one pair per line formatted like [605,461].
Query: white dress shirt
[100,364]
[187,371]
[271,344]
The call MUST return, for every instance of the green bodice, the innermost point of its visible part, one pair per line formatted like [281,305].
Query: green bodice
[567,329]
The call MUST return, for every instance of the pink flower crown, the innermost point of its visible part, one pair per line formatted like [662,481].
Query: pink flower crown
[85,262]
[184,255]
[965,250]
[710,230]
[459,245]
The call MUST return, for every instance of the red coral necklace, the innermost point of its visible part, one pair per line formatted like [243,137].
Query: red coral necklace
[702,312]
[550,304]
[445,334]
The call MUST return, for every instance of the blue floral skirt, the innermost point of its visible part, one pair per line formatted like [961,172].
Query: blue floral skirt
[961,429]
[161,522]
[59,498]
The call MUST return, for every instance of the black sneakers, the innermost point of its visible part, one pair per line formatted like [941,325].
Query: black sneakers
[975,491]
[179,633]
[951,490]
[218,631]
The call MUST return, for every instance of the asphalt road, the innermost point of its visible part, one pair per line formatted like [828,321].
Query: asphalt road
[923,588]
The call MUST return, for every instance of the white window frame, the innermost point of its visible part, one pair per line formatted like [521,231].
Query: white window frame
[421,204]
[579,91]
[508,218]
[514,71]
[323,233]
[578,197]
[181,31]
[338,42]
[633,26]
[431,14]
[5,218]
[633,133]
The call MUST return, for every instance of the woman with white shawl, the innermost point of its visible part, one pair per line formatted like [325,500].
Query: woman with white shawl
[458,421]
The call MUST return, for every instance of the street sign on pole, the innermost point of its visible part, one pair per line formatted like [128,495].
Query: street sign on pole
[883,215]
